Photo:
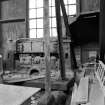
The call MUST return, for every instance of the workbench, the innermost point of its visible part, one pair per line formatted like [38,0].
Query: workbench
[15,95]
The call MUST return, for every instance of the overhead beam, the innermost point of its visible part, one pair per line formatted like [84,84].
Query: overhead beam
[4,0]
[12,20]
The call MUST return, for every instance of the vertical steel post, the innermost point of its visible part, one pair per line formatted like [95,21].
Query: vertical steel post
[47,45]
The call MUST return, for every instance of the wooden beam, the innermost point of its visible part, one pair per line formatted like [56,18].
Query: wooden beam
[47,45]
[57,85]
[102,30]
[60,39]
[27,18]
[89,13]
[4,0]
[12,20]
[78,7]
[65,18]
[73,59]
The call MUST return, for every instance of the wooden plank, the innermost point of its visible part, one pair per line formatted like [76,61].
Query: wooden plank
[23,79]
[12,20]
[60,39]
[17,80]
[40,83]
[15,95]
[3,0]
[73,62]
[82,91]
[88,13]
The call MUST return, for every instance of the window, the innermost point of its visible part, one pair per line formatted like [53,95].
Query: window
[36,16]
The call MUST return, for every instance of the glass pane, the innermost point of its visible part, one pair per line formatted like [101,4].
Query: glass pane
[50,22]
[53,22]
[54,32]
[51,2]
[65,2]
[71,1]
[39,33]
[72,9]
[39,23]
[39,3]
[50,32]
[32,23]
[53,11]
[32,13]
[66,7]
[32,3]
[40,12]
[33,33]
[50,11]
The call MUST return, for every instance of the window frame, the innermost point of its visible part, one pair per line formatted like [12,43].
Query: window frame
[52,16]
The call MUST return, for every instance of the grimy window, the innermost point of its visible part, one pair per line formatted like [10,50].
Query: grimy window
[36,16]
